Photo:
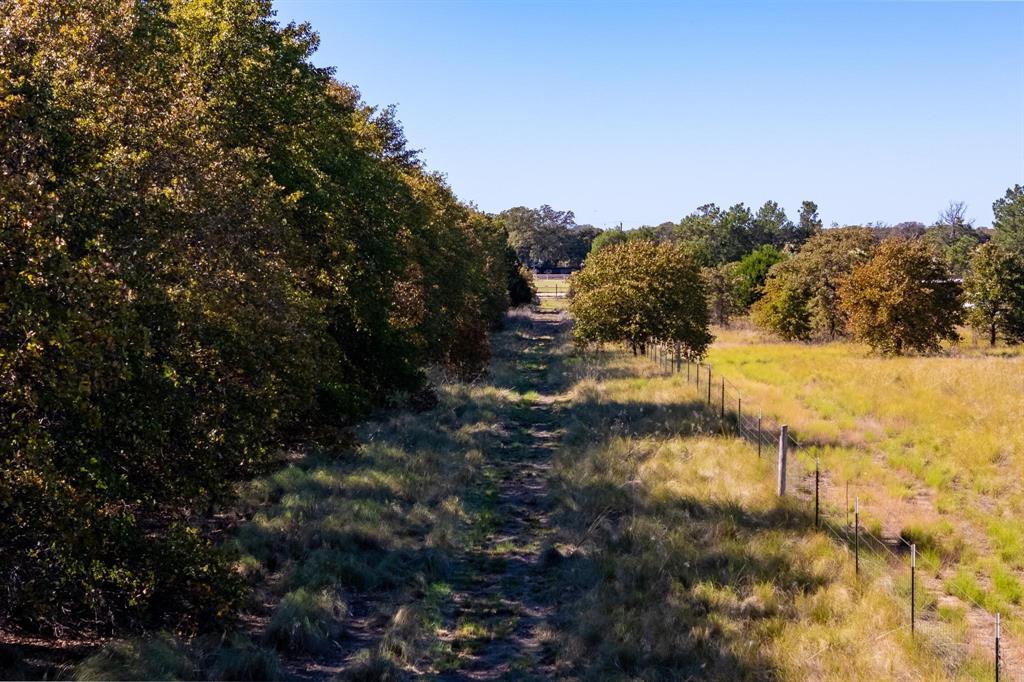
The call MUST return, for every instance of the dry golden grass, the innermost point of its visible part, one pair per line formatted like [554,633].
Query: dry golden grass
[696,567]
[933,446]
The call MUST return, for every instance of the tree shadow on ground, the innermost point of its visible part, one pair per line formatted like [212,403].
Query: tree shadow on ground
[665,587]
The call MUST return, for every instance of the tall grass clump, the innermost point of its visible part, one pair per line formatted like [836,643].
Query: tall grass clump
[306,621]
[161,657]
[243,660]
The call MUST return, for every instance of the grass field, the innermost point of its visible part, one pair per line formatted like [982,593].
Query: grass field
[933,446]
[551,286]
[581,515]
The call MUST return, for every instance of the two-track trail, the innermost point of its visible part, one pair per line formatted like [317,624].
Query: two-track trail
[502,601]
[488,614]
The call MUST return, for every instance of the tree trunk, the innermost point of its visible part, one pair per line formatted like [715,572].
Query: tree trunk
[992,334]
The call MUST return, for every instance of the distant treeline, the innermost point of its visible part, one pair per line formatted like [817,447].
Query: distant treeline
[901,288]
[547,239]
[209,248]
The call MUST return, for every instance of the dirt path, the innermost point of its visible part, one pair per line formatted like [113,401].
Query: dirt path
[501,602]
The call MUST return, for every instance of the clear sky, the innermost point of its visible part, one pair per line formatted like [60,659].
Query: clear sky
[640,112]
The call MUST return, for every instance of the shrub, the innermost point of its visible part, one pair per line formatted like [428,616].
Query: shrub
[521,289]
[785,306]
[752,271]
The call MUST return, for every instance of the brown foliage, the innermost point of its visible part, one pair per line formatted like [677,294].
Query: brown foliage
[903,299]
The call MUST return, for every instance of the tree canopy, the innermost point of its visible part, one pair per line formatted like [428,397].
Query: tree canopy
[751,272]
[994,292]
[545,238]
[208,247]
[800,296]
[903,299]
[725,236]
[1008,220]
[639,292]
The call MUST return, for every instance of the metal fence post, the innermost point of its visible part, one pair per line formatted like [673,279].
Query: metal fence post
[709,384]
[998,666]
[856,536]
[817,485]
[739,415]
[759,434]
[913,588]
[723,402]
[783,451]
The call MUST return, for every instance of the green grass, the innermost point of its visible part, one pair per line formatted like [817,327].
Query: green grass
[241,659]
[381,520]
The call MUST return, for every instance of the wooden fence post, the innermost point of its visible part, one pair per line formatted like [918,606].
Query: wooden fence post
[783,451]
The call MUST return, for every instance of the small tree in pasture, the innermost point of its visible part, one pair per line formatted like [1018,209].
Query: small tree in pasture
[902,299]
[721,285]
[800,297]
[994,291]
[784,309]
[639,292]
[1008,219]
[752,271]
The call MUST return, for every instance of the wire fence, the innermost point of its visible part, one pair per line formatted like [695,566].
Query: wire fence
[969,639]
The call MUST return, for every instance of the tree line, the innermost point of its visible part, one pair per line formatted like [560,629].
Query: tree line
[900,289]
[904,291]
[209,249]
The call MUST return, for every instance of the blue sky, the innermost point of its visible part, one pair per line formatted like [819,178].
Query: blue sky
[639,112]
